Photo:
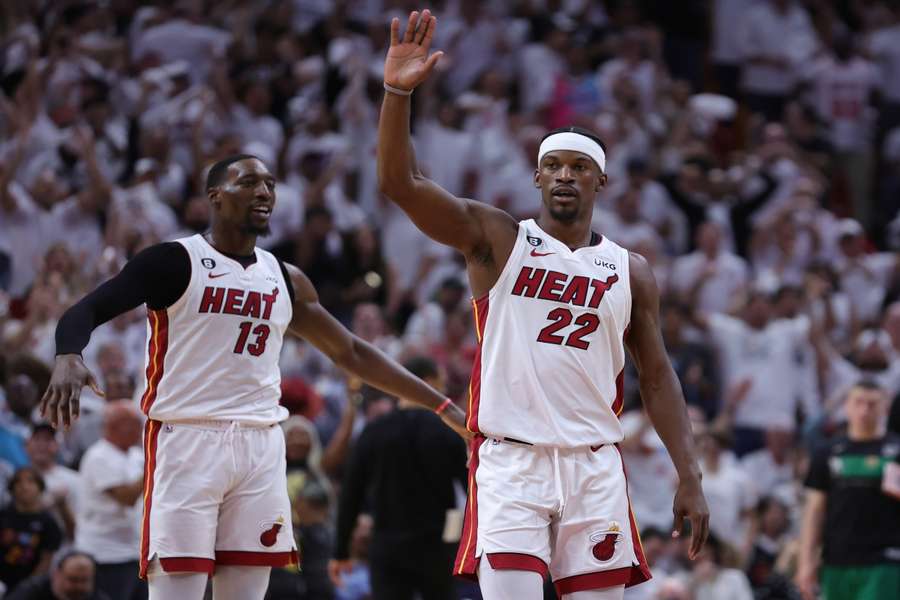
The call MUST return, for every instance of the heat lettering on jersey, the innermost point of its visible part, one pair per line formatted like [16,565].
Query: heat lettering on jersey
[235,301]
[562,287]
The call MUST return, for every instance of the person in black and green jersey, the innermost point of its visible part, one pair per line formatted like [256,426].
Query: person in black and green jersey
[852,509]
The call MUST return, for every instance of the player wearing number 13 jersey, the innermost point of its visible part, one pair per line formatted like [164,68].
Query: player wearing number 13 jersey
[553,302]
[215,489]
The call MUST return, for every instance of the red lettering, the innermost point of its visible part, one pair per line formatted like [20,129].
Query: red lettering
[212,299]
[252,305]
[553,285]
[600,288]
[269,301]
[576,292]
[528,282]
[233,302]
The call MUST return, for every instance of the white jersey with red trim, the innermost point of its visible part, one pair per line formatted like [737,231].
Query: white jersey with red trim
[551,354]
[213,354]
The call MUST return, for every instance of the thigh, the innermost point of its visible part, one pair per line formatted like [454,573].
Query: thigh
[254,524]
[596,544]
[516,496]
[185,480]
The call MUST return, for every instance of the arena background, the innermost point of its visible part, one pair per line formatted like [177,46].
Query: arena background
[753,159]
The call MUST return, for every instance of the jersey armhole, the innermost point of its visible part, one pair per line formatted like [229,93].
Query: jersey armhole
[514,256]
[287,281]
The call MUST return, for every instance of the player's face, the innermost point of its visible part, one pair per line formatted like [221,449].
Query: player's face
[569,181]
[247,197]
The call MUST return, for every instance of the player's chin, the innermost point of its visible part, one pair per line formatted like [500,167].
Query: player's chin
[259,229]
[566,213]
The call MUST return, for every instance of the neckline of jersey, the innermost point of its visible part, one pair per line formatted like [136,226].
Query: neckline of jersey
[226,257]
[600,239]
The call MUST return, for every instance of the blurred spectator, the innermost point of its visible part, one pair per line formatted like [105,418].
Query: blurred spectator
[693,362]
[724,275]
[776,38]
[413,466]
[112,482]
[62,483]
[29,534]
[356,582]
[853,491]
[72,579]
[713,581]
[15,420]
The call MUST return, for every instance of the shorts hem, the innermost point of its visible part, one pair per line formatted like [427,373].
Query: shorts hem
[256,559]
[517,561]
[627,576]
[187,564]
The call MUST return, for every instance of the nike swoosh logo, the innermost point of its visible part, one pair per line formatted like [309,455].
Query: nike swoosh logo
[536,253]
[213,276]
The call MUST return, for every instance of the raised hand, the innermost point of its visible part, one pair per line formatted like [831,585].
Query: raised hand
[407,63]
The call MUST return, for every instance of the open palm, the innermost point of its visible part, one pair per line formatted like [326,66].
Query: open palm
[408,64]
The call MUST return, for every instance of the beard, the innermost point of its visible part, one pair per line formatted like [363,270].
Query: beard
[258,230]
[563,215]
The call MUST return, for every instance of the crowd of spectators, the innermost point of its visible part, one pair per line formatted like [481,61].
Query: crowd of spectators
[753,158]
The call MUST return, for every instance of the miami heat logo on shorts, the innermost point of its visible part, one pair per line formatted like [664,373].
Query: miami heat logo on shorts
[270,531]
[606,542]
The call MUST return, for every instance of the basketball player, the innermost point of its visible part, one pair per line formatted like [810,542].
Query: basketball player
[555,306]
[215,493]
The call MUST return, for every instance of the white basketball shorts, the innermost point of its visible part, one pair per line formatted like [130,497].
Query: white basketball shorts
[215,493]
[562,511]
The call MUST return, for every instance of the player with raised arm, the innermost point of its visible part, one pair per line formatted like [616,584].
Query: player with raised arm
[215,490]
[555,307]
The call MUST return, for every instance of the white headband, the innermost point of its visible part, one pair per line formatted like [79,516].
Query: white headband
[576,142]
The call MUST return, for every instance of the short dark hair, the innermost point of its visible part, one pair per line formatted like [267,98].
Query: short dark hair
[217,172]
[422,367]
[580,131]
[22,470]
[60,560]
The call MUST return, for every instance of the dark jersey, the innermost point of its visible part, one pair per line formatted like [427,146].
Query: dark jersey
[862,523]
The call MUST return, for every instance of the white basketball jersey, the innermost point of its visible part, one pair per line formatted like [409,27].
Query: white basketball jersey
[213,355]
[551,354]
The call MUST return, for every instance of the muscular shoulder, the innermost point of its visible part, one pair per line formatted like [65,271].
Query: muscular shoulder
[643,282]
[499,232]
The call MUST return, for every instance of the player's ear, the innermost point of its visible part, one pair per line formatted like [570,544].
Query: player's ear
[537,178]
[213,195]
[601,182]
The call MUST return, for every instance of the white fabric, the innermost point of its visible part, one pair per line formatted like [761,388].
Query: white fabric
[184,586]
[216,487]
[720,290]
[841,93]
[509,584]
[561,391]
[727,18]
[241,583]
[555,504]
[106,529]
[728,583]
[221,341]
[884,45]
[729,493]
[652,478]
[788,37]
[768,359]
[575,142]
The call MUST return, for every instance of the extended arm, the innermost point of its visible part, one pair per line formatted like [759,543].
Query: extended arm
[663,400]
[127,493]
[464,224]
[313,323]
[157,276]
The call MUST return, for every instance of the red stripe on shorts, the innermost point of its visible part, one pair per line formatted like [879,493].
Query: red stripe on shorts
[156,355]
[466,564]
[151,437]
[256,559]
[188,564]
